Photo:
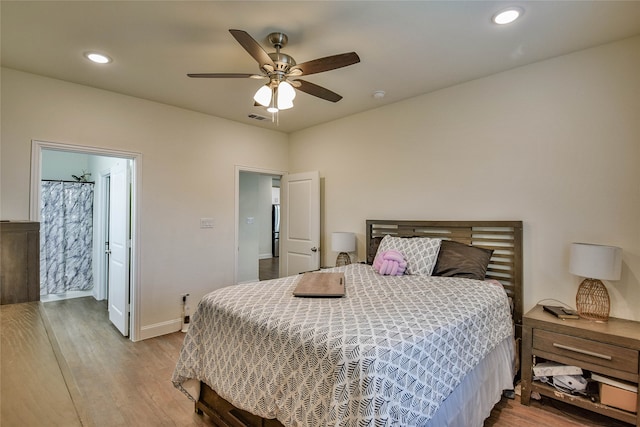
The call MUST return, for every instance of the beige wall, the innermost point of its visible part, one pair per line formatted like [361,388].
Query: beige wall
[188,172]
[555,144]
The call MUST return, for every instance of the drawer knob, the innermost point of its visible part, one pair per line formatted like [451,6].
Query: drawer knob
[579,350]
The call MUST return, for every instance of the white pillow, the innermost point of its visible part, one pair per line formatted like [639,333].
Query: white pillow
[421,253]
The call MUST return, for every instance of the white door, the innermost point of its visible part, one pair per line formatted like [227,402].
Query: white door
[300,223]
[119,214]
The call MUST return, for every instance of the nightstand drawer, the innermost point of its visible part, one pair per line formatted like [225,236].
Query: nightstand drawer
[597,353]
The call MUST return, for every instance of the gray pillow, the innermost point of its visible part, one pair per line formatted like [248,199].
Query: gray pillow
[456,259]
[420,252]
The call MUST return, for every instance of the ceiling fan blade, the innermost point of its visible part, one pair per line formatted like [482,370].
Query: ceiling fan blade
[253,47]
[328,63]
[223,75]
[315,90]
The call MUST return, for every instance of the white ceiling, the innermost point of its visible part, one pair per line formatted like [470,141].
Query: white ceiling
[406,48]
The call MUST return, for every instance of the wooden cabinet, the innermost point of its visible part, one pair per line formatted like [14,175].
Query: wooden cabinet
[19,261]
[611,349]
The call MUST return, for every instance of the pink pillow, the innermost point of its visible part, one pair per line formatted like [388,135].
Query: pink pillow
[390,263]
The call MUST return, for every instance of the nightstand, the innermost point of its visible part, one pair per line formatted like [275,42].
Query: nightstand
[611,349]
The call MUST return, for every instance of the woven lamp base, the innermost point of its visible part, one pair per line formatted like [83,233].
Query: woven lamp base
[592,300]
[343,259]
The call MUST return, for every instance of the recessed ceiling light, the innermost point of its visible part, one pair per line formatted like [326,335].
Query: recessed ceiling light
[507,16]
[98,58]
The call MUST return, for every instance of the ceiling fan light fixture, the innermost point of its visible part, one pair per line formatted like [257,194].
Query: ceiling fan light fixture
[284,104]
[507,16]
[286,93]
[278,94]
[263,96]
[273,107]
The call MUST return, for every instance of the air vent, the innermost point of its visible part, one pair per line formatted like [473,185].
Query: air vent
[258,117]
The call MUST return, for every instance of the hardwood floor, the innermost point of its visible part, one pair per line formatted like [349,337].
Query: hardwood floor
[546,413]
[268,268]
[30,372]
[110,381]
[64,364]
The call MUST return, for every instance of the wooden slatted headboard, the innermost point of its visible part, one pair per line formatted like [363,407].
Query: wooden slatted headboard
[504,237]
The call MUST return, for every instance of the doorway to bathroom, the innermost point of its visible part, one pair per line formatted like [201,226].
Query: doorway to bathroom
[83,198]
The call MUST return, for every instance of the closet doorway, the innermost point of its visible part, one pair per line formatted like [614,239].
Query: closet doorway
[84,199]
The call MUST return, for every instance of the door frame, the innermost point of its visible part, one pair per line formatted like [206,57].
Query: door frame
[238,170]
[37,147]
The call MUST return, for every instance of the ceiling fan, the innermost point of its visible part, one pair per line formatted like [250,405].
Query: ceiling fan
[282,72]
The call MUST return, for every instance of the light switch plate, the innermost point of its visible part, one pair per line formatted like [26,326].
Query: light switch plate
[206,222]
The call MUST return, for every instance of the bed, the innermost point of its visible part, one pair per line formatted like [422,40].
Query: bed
[410,350]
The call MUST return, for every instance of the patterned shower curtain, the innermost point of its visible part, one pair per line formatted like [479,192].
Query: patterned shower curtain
[66,237]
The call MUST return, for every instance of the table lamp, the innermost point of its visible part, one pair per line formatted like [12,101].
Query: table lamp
[595,263]
[343,242]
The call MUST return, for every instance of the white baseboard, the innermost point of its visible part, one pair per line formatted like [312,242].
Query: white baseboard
[162,328]
[265,256]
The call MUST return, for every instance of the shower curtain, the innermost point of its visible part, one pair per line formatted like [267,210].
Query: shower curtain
[66,237]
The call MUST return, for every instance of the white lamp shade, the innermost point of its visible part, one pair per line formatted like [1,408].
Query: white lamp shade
[286,94]
[342,241]
[263,96]
[284,105]
[595,261]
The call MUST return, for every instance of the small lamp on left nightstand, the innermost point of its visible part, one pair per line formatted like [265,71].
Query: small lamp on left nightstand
[595,263]
[343,242]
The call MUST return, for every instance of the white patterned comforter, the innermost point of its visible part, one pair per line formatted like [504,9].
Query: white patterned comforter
[386,354]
